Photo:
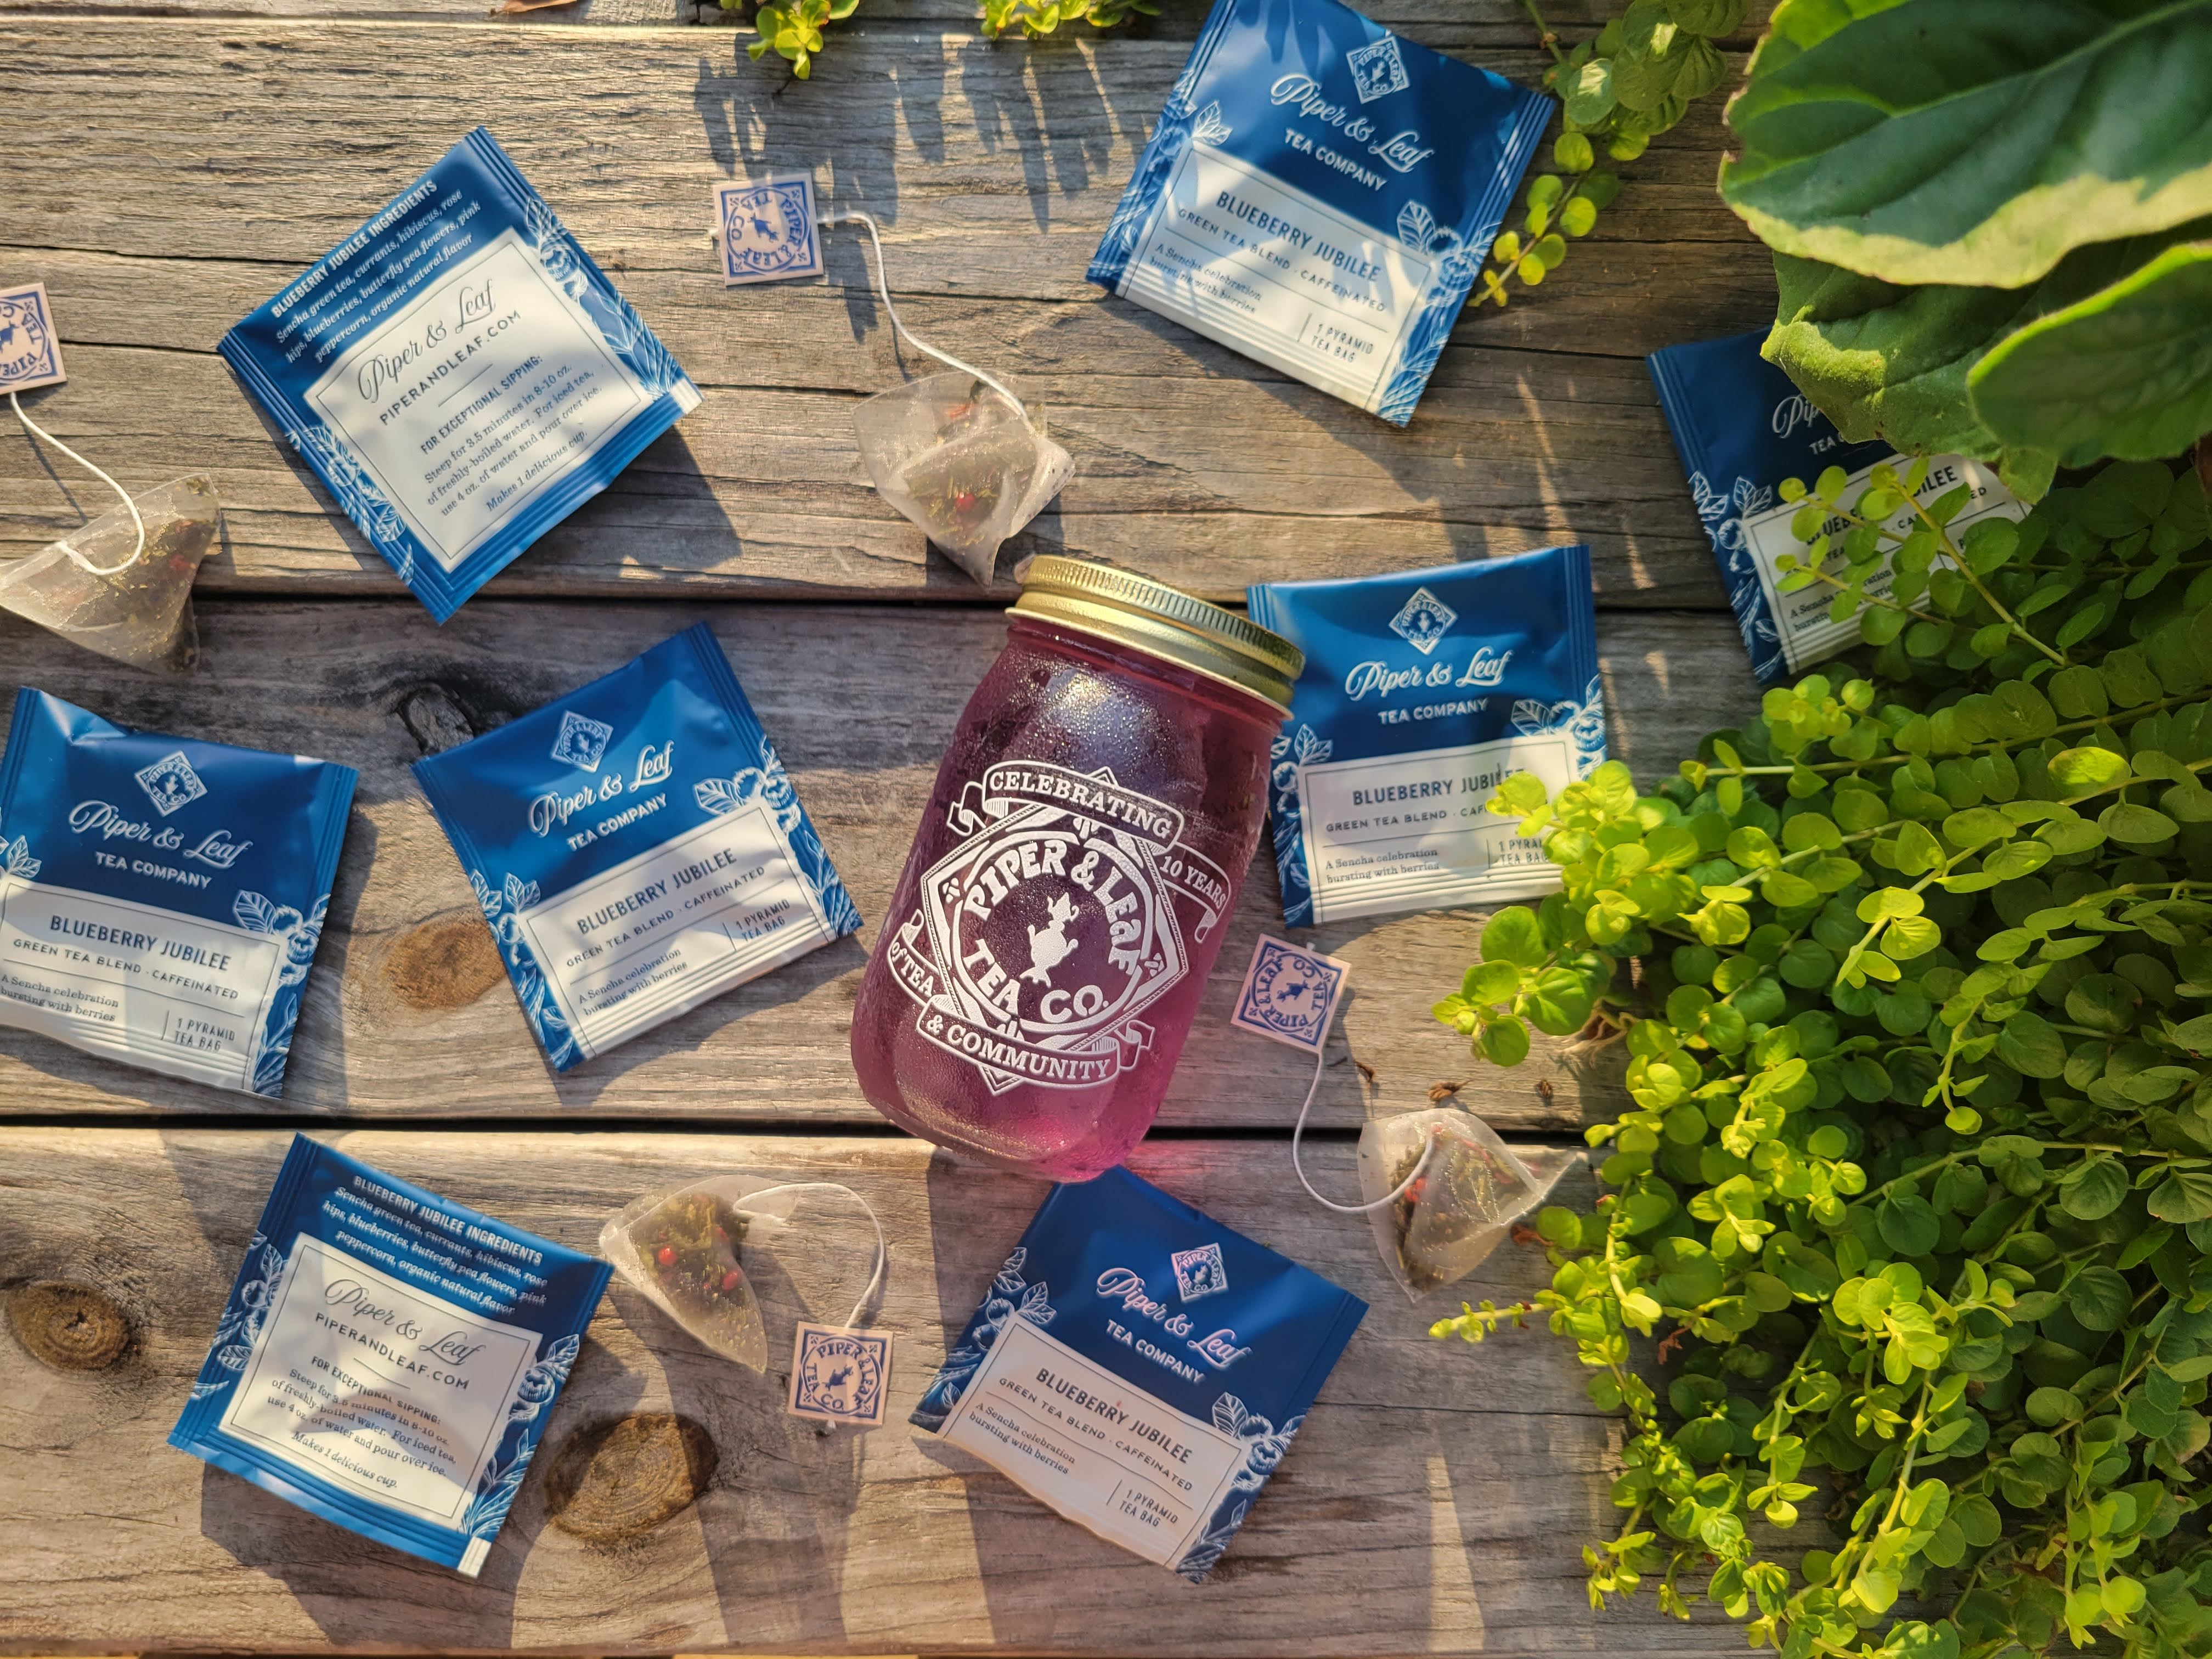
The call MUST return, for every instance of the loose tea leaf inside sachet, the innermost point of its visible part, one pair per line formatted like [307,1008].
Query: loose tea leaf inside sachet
[1458,1210]
[140,614]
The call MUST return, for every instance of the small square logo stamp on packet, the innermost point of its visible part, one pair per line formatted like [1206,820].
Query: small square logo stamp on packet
[767,229]
[30,348]
[839,1374]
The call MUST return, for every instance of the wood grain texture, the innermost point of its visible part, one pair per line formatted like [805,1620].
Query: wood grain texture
[405,1016]
[995,168]
[1435,1503]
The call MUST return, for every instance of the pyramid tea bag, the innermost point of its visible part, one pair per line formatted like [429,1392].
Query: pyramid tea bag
[960,457]
[1462,1188]
[698,1250]
[957,452]
[122,586]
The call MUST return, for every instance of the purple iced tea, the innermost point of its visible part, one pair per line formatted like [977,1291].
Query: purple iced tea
[1073,877]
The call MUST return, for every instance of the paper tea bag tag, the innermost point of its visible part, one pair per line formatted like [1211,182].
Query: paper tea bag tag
[30,346]
[1290,994]
[839,1374]
[767,230]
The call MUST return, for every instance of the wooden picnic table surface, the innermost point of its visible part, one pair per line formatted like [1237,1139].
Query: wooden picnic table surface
[167,169]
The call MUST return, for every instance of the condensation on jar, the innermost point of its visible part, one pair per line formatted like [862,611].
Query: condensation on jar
[1074,873]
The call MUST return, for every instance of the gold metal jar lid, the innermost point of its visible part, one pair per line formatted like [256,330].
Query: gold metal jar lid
[1135,611]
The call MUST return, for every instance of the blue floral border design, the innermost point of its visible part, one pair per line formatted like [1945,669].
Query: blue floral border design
[502,907]
[771,784]
[299,934]
[1722,516]
[1011,1296]
[1457,261]
[503,1476]
[1290,751]
[1265,1447]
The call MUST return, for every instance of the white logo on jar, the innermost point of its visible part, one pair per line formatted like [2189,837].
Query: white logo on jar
[1045,933]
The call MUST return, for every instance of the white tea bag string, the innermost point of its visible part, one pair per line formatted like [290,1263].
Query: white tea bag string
[1290,996]
[882,288]
[1297,1132]
[882,1255]
[90,568]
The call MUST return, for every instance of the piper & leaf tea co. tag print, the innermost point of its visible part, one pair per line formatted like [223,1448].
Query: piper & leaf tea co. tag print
[30,346]
[767,229]
[1290,994]
[839,1374]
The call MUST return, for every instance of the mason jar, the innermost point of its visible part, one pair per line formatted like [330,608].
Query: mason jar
[1074,872]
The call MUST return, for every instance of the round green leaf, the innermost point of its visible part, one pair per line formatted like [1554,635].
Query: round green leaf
[1908,1224]
[2099,1298]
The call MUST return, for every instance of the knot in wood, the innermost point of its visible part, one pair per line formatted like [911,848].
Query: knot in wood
[71,1328]
[626,1476]
[447,962]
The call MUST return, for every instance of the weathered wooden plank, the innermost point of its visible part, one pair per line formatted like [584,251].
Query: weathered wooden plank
[1435,1501]
[1498,23]
[408,1014]
[996,168]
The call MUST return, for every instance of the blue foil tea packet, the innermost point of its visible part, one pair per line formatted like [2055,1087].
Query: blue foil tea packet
[1140,1368]
[388,1360]
[1422,692]
[1320,193]
[459,373]
[1742,427]
[637,848]
[161,899]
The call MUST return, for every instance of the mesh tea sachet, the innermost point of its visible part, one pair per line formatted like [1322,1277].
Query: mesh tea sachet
[637,848]
[1320,193]
[161,899]
[459,373]
[388,1360]
[1140,1368]
[1742,427]
[1422,692]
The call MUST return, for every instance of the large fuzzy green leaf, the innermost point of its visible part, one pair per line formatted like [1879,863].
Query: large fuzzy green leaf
[1973,141]
[2126,372]
[1888,360]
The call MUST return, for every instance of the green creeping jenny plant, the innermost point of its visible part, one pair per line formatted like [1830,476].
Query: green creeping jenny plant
[1916,1188]
[1633,81]
[793,29]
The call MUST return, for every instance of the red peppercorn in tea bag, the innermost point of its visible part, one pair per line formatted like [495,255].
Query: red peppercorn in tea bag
[710,1253]
[1470,1189]
[962,460]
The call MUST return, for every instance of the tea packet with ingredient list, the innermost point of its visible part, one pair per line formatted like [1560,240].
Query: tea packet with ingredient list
[389,1359]
[459,375]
